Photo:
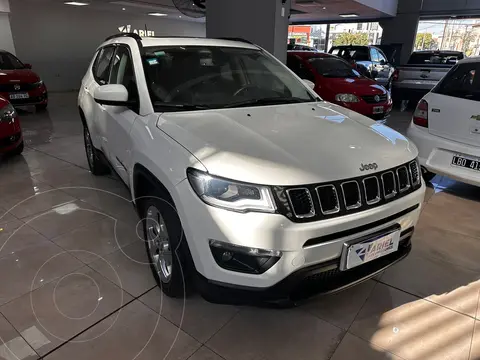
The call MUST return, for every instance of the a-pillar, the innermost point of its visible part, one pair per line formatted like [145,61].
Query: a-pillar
[6,39]
[402,29]
[263,22]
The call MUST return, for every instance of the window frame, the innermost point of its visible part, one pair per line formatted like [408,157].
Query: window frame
[134,108]
[372,58]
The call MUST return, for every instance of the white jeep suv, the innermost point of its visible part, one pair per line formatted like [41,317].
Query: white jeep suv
[246,181]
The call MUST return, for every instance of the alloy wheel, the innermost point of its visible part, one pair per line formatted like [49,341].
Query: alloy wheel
[159,244]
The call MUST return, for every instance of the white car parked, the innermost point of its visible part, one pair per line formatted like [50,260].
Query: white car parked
[446,125]
[247,182]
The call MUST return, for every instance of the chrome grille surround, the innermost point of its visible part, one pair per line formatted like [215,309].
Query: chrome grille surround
[337,207]
[378,197]
[359,197]
[307,215]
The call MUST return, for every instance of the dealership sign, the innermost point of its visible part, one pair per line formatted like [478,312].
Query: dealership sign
[128,29]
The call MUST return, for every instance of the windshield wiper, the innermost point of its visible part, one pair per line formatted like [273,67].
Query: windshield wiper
[180,107]
[268,101]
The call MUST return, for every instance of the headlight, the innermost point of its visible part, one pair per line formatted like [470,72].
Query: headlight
[7,113]
[38,83]
[347,98]
[229,194]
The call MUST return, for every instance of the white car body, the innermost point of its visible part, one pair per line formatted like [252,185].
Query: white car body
[291,145]
[453,129]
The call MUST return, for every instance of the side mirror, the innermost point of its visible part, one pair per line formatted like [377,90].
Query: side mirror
[28,66]
[383,62]
[310,84]
[115,95]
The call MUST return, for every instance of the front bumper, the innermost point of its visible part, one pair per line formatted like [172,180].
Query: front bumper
[325,238]
[38,96]
[435,154]
[10,135]
[366,109]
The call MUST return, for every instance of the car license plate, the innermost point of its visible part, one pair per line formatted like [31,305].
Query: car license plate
[17,96]
[366,251]
[462,161]
[378,109]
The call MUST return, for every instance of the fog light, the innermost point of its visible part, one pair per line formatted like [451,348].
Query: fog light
[243,259]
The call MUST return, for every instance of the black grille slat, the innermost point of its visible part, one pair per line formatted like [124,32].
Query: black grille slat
[388,182]
[314,202]
[403,179]
[372,190]
[301,202]
[351,195]
[414,173]
[328,198]
[370,99]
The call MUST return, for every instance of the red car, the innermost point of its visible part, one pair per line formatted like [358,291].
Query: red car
[338,82]
[19,84]
[11,139]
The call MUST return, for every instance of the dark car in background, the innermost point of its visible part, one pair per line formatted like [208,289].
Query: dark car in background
[369,61]
[337,82]
[19,84]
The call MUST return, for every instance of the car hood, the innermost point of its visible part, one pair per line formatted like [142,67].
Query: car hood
[357,86]
[287,144]
[18,76]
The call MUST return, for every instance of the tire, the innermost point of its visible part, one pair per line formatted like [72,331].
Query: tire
[95,163]
[18,150]
[427,175]
[166,246]
[41,107]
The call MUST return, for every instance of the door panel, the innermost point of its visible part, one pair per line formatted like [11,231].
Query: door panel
[455,105]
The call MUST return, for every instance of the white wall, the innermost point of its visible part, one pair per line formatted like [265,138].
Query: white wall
[60,40]
[6,41]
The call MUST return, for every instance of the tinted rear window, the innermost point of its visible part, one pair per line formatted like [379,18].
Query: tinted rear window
[334,68]
[352,53]
[434,58]
[463,81]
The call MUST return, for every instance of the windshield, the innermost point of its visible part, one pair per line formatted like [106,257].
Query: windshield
[333,68]
[218,77]
[434,58]
[10,62]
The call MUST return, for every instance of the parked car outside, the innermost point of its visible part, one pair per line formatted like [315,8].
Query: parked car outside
[337,82]
[422,72]
[19,84]
[11,140]
[369,61]
[247,183]
[446,125]
[301,47]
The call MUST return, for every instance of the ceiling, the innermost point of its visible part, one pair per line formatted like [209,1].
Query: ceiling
[330,10]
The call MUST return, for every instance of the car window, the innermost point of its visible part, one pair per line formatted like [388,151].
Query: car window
[381,56]
[10,62]
[333,67]
[101,67]
[463,81]
[374,55]
[358,53]
[421,58]
[334,51]
[123,72]
[218,76]
[296,64]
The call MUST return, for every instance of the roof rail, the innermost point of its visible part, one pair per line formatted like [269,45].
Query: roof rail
[236,39]
[130,34]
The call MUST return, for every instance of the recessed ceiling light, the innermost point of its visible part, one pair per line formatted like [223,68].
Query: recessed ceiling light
[76,3]
[352,15]
[179,16]
[324,8]
[124,9]
[157,14]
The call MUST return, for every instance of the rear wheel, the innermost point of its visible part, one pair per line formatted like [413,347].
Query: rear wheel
[166,245]
[95,163]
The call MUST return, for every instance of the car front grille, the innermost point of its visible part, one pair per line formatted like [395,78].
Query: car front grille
[370,99]
[17,87]
[323,201]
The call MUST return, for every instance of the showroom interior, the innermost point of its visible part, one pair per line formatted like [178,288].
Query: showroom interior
[75,276]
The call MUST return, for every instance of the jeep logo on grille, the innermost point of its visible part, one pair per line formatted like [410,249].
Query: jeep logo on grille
[372,166]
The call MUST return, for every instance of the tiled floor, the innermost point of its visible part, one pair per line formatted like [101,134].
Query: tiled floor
[74,283]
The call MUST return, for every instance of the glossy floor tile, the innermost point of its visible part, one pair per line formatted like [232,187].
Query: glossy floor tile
[75,282]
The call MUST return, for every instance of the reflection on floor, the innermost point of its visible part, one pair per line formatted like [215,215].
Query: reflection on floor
[74,283]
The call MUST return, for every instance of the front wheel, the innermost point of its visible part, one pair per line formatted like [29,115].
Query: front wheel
[165,245]
[96,165]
